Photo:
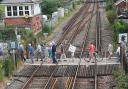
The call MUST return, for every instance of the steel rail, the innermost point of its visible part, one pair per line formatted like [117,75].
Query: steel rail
[45,87]
[79,27]
[31,78]
[57,43]
[83,46]
[72,24]
[98,42]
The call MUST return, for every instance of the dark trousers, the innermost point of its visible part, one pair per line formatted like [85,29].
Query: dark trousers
[53,57]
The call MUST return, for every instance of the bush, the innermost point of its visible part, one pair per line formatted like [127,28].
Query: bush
[111,15]
[8,67]
[122,79]
[46,29]
[121,27]
[1,71]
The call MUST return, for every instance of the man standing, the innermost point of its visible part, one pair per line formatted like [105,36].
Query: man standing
[54,52]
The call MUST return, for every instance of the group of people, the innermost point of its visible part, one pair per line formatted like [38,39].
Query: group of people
[45,52]
[42,52]
[92,49]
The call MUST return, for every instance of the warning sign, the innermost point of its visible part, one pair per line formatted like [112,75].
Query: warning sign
[72,48]
[124,36]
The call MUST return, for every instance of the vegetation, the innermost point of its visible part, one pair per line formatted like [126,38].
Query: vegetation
[117,26]
[50,6]
[27,35]
[8,67]
[46,29]
[7,34]
[122,79]
[1,71]
[111,15]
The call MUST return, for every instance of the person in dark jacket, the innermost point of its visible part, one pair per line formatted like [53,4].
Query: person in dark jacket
[54,52]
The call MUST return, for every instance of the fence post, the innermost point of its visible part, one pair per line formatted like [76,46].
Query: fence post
[123,59]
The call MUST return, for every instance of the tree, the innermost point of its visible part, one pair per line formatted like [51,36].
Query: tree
[49,6]
[26,35]
[1,0]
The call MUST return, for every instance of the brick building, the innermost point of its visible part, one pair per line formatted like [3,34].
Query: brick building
[121,4]
[25,13]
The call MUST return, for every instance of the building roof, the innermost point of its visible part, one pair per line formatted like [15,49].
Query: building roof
[119,1]
[20,1]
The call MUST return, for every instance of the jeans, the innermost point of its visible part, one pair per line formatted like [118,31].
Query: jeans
[53,57]
[118,57]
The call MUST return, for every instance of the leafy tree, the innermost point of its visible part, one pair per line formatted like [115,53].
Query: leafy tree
[1,0]
[26,35]
[49,6]
[108,7]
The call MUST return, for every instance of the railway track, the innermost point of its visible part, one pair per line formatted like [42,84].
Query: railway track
[75,76]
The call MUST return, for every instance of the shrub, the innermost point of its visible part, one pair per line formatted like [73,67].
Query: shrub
[121,27]
[111,15]
[122,79]
[1,71]
[46,29]
[8,67]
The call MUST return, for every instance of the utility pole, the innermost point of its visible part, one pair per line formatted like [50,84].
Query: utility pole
[126,7]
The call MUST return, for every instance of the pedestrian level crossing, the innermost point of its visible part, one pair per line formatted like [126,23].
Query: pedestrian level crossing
[74,61]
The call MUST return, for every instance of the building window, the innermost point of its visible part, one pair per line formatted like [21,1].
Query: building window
[27,10]
[9,9]
[21,11]
[14,10]
[18,10]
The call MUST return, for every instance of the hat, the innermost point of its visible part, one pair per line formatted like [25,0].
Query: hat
[53,42]
[29,44]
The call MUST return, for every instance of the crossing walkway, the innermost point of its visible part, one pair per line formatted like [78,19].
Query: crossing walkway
[75,61]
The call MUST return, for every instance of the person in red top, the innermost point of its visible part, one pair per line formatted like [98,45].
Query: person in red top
[91,48]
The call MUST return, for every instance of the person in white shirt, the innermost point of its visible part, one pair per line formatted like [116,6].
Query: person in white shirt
[110,49]
[118,53]
[38,52]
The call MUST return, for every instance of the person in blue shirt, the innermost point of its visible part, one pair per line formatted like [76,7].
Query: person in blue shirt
[31,52]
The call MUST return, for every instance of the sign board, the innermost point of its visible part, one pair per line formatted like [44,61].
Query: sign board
[72,48]
[13,45]
[121,35]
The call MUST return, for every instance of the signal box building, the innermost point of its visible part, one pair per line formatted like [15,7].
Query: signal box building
[25,13]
